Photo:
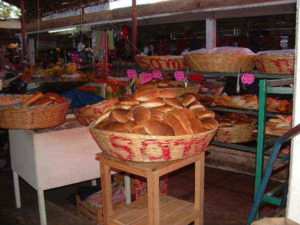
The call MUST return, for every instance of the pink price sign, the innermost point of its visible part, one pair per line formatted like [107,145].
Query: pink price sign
[131,74]
[248,78]
[146,77]
[179,75]
[157,74]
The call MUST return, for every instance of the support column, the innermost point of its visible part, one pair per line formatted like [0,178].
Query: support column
[23,28]
[31,52]
[211,33]
[293,204]
[134,28]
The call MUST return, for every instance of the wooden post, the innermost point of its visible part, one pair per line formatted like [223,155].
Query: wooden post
[199,188]
[134,28]
[293,206]
[211,33]
[31,52]
[23,28]
[107,192]
[153,198]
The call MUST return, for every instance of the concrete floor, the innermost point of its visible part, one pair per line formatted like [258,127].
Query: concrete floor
[228,198]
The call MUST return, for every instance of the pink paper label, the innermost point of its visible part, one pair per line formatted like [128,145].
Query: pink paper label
[157,74]
[248,78]
[131,74]
[179,75]
[146,77]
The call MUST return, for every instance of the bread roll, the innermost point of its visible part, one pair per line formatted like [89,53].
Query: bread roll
[183,119]
[115,127]
[209,124]
[128,101]
[45,101]
[121,106]
[224,123]
[196,125]
[188,100]
[175,103]
[130,115]
[164,109]
[139,130]
[32,99]
[173,122]
[155,127]
[157,102]
[241,123]
[120,115]
[129,126]
[141,113]
[102,117]
[58,99]
[157,115]
[167,93]
[103,123]
[189,114]
[205,114]
[146,93]
[197,106]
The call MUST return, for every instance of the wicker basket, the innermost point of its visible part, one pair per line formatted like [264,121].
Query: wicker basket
[235,134]
[30,117]
[146,148]
[91,113]
[161,62]
[220,62]
[275,64]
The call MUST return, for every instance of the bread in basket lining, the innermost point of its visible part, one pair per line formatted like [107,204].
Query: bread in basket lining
[145,131]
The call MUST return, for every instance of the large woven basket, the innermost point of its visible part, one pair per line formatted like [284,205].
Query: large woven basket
[30,117]
[275,64]
[168,62]
[146,148]
[235,134]
[220,62]
[91,113]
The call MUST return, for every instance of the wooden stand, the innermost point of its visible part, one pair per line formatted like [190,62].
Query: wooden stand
[156,209]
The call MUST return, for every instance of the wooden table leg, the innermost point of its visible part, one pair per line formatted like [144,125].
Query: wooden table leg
[153,198]
[17,190]
[106,192]
[199,188]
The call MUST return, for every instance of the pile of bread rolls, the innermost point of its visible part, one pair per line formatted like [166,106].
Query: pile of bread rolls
[235,119]
[43,99]
[279,125]
[159,112]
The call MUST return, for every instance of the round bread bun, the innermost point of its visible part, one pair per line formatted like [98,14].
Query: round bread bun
[175,103]
[188,100]
[102,117]
[209,124]
[121,106]
[32,99]
[167,93]
[189,114]
[128,101]
[241,123]
[173,122]
[130,115]
[43,101]
[224,123]
[164,83]
[164,109]
[157,115]
[115,127]
[146,93]
[129,126]
[155,127]
[141,113]
[157,102]
[205,114]
[183,119]
[139,130]
[103,123]
[120,115]
[196,125]
[197,105]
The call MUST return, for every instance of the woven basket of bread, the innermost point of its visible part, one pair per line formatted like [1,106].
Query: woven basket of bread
[275,62]
[32,111]
[90,113]
[223,59]
[167,62]
[155,125]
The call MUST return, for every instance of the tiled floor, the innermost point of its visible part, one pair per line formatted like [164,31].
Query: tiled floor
[228,198]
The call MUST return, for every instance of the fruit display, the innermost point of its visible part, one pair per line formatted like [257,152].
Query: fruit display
[159,112]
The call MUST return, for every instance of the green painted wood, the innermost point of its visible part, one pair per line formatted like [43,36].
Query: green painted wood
[271,200]
[280,90]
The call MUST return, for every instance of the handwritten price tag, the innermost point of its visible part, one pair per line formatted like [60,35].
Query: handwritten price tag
[179,75]
[131,74]
[248,78]
[157,74]
[146,77]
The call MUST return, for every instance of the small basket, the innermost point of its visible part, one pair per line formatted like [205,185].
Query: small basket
[146,148]
[91,113]
[167,62]
[235,134]
[229,63]
[30,117]
[275,64]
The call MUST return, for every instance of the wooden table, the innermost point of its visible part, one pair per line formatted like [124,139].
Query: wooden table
[54,159]
[157,209]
